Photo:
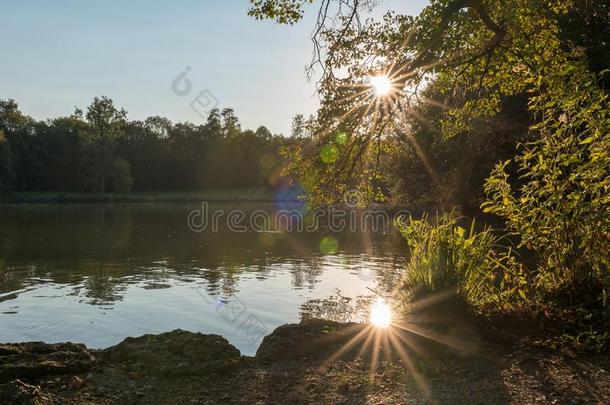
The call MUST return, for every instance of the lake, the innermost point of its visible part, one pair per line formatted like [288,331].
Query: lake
[99,273]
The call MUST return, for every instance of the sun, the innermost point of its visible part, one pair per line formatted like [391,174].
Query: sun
[381,314]
[381,84]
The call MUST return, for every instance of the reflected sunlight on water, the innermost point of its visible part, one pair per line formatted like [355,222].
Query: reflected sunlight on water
[99,273]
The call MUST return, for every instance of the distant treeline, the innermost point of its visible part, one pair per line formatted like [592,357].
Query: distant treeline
[100,150]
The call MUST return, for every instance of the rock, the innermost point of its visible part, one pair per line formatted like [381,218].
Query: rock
[173,354]
[31,360]
[75,382]
[18,392]
[309,339]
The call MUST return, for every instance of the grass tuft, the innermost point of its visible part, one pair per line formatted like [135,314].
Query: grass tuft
[445,256]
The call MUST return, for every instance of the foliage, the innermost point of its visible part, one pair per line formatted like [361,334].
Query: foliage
[105,121]
[476,54]
[454,70]
[121,177]
[427,169]
[562,208]
[285,11]
[103,151]
[6,164]
[96,161]
[445,256]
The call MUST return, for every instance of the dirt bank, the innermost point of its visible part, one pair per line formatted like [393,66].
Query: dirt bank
[312,362]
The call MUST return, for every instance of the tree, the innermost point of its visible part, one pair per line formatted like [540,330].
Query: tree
[11,119]
[105,120]
[213,125]
[230,123]
[106,127]
[561,210]
[57,146]
[160,126]
[298,126]
[476,54]
[7,172]
[121,176]
[19,131]
[96,167]
[101,151]
[145,147]
[263,132]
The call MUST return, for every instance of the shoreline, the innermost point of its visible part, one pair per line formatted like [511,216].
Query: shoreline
[211,195]
[309,362]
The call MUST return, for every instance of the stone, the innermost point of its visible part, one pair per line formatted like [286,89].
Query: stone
[31,360]
[18,392]
[309,339]
[173,354]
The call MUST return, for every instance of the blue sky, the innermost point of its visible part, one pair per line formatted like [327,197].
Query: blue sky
[58,55]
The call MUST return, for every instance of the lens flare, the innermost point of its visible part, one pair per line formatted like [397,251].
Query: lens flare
[381,84]
[381,313]
[329,245]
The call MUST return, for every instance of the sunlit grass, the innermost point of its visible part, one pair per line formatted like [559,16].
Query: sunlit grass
[447,257]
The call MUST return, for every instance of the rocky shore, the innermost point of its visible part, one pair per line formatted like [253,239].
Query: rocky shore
[312,362]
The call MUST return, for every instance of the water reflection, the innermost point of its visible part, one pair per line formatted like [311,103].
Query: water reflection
[338,308]
[133,259]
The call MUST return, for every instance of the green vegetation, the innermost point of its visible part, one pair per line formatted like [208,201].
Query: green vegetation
[217,194]
[102,152]
[445,256]
[498,105]
[561,209]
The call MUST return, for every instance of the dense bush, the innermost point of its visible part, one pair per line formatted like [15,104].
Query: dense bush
[562,208]
[444,256]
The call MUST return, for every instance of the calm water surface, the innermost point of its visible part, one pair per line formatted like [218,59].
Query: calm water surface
[99,273]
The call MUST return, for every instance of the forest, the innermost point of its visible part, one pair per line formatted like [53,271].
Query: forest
[101,151]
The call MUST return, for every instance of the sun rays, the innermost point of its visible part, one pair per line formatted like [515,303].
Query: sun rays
[408,339]
[381,84]
[377,105]
[381,313]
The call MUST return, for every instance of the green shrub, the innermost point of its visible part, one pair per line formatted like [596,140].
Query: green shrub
[561,207]
[445,256]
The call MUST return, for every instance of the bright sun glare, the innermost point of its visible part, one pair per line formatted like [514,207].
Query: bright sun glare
[381,314]
[381,84]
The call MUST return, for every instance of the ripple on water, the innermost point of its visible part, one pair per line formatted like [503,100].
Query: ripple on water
[111,272]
